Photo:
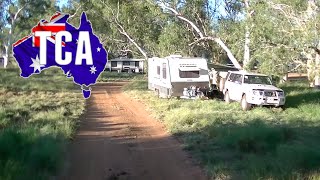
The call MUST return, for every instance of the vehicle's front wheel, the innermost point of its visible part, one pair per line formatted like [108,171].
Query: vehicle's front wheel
[244,104]
[227,97]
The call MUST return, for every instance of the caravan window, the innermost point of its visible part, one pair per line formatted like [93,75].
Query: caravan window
[189,74]
[126,63]
[114,64]
[158,70]
[164,71]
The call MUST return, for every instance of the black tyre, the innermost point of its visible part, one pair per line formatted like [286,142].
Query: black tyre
[244,104]
[227,97]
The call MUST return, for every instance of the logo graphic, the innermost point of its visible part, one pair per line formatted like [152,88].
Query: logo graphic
[78,52]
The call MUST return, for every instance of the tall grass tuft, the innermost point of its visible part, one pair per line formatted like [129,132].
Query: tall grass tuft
[37,117]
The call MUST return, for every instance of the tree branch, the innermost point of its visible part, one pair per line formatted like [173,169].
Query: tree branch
[71,16]
[202,37]
[178,15]
[121,29]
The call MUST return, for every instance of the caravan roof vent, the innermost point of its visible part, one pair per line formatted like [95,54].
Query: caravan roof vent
[175,56]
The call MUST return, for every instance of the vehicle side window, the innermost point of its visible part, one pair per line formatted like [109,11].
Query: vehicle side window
[231,76]
[237,78]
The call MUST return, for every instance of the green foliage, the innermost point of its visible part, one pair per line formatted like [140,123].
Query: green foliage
[37,117]
[264,143]
[141,20]
[174,40]
[281,34]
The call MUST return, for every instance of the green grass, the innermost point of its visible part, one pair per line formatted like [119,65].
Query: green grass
[37,117]
[107,76]
[264,143]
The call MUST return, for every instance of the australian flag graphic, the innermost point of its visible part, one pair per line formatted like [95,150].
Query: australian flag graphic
[27,51]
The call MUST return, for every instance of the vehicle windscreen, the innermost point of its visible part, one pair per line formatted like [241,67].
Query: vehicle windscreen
[252,79]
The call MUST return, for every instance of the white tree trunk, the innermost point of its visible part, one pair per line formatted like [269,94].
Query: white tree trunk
[122,31]
[310,70]
[246,56]
[6,56]
[9,42]
[313,64]
[229,53]
[317,70]
[284,78]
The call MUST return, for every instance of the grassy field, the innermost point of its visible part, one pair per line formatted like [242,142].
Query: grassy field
[263,143]
[37,117]
[107,76]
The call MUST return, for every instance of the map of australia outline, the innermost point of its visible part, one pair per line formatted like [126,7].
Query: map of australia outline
[27,51]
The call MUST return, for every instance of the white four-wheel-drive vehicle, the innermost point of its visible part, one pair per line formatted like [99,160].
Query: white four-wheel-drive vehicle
[252,89]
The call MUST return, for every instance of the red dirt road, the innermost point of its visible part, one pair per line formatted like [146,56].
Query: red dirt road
[118,139]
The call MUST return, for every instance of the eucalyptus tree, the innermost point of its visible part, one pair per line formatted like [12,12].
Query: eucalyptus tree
[126,27]
[203,31]
[278,36]
[18,17]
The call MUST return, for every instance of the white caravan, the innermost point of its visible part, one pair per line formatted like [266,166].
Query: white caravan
[175,76]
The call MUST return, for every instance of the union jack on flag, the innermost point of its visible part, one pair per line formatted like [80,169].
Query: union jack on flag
[55,25]
[51,26]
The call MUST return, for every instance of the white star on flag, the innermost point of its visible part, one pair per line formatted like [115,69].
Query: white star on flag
[93,70]
[98,49]
[36,64]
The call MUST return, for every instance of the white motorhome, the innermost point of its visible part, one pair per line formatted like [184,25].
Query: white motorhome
[175,76]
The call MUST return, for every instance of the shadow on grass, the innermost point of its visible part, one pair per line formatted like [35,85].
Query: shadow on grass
[28,154]
[257,150]
[259,144]
[303,98]
[298,94]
